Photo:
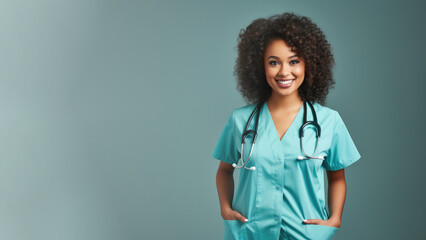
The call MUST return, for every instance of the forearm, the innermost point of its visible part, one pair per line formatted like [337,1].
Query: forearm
[336,197]
[225,189]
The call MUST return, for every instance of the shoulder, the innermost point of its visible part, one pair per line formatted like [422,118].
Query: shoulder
[326,115]
[240,117]
[324,110]
[243,112]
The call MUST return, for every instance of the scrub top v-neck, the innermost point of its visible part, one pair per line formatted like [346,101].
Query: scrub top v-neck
[283,190]
[299,112]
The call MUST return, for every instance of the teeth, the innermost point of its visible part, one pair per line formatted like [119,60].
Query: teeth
[285,82]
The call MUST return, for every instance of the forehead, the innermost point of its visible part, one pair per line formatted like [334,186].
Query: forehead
[279,47]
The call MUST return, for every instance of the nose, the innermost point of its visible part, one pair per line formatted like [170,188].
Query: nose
[284,71]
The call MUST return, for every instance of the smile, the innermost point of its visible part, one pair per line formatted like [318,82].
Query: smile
[286,83]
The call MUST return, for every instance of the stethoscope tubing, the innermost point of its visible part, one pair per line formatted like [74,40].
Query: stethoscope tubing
[245,133]
[305,123]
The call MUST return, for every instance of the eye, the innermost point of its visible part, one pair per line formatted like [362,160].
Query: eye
[271,63]
[295,61]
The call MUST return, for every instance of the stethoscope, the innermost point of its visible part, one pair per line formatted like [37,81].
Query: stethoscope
[305,123]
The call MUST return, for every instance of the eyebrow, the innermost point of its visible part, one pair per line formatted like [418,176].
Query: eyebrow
[279,58]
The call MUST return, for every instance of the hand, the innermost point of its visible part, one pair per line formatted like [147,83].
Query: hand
[233,215]
[330,222]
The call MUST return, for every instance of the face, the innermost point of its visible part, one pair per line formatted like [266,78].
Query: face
[284,70]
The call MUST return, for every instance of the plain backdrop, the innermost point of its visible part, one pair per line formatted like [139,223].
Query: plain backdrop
[110,110]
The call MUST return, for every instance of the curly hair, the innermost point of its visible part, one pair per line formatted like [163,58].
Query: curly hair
[304,37]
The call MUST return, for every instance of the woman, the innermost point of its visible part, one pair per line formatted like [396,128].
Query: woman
[283,63]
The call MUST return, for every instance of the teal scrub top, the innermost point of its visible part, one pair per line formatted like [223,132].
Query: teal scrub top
[283,189]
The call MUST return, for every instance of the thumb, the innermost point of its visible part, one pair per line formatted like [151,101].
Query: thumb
[312,221]
[240,217]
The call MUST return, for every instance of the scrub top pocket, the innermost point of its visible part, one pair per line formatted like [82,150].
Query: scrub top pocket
[320,232]
[314,165]
[234,230]
[313,168]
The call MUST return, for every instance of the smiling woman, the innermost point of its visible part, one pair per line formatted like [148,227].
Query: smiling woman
[283,66]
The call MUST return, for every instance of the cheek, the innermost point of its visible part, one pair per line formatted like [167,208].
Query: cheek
[300,71]
[270,73]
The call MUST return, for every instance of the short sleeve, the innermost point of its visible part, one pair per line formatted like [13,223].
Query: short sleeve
[343,151]
[226,147]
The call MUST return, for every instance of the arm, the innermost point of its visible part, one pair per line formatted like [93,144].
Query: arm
[225,190]
[336,195]
[225,186]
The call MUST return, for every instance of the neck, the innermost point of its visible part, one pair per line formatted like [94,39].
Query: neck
[285,103]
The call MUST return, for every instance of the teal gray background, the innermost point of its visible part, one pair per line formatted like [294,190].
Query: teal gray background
[109,112]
